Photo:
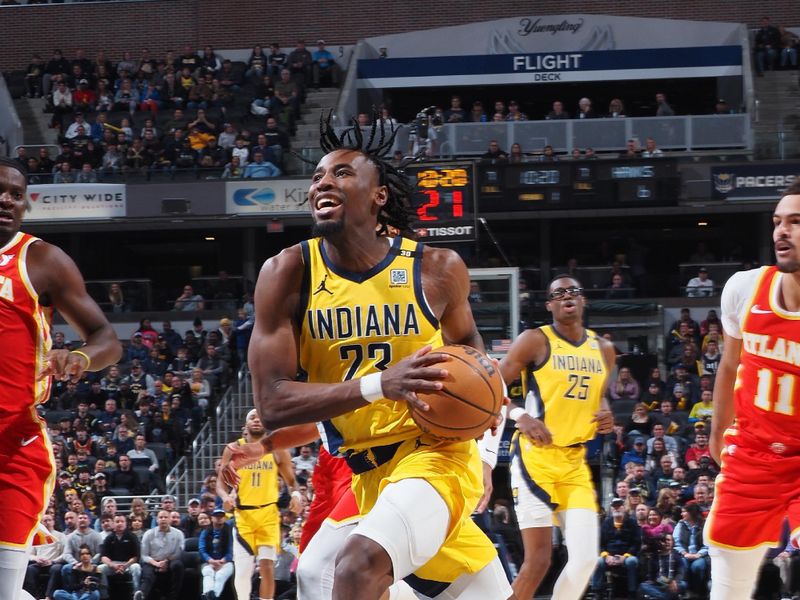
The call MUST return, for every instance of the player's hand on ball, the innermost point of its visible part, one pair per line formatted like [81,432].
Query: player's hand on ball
[417,373]
[535,430]
[605,420]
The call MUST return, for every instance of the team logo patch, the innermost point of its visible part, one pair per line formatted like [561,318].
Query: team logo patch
[398,277]
[724,183]
[777,447]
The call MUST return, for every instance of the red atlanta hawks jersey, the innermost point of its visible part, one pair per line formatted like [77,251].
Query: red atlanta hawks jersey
[24,330]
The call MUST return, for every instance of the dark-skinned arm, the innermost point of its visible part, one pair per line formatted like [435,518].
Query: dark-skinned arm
[242,455]
[529,348]
[722,411]
[448,276]
[57,280]
[273,361]
[604,417]
[224,487]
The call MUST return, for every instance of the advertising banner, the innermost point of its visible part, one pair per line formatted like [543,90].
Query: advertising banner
[74,201]
[266,196]
[764,181]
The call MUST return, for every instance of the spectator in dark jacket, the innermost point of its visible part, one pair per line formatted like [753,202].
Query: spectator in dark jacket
[125,476]
[665,574]
[620,543]
[120,552]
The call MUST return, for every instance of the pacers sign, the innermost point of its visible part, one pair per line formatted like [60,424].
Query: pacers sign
[753,182]
[54,202]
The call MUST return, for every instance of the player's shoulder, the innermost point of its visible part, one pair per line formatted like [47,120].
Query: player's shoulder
[530,343]
[739,288]
[286,266]
[44,251]
[438,258]
[745,279]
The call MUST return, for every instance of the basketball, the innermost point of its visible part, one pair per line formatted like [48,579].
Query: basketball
[470,400]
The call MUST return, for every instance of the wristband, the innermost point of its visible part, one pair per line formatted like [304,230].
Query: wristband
[370,386]
[84,355]
[515,413]
[297,495]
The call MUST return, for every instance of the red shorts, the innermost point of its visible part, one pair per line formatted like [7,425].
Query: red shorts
[27,477]
[333,495]
[755,491]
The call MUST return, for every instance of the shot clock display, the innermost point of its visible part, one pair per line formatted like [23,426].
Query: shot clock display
[444,202]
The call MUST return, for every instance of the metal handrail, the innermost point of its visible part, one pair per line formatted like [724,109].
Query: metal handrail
[186,477]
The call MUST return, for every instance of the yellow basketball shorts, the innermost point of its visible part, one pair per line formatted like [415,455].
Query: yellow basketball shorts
[455,472]
[557,477]
[258,527]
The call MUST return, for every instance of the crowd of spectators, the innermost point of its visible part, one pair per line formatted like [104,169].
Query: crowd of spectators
[185,111]
[115,434]
[101,548]
[139,546]
[502,110]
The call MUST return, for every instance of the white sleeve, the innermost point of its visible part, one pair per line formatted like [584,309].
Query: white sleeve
[489,444]
[735,295]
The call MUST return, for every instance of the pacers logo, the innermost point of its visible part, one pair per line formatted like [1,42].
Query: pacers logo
[724,183]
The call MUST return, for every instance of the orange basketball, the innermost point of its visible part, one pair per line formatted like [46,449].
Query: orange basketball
[470,400]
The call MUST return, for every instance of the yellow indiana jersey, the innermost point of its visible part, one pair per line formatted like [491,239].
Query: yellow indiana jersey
[565,392]
[353,324]
[258,484]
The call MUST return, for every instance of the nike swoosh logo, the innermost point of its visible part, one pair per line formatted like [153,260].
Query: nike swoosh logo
[757,311]
[28,441]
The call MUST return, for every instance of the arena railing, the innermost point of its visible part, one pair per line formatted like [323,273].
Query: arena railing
[186,477]
[694,132]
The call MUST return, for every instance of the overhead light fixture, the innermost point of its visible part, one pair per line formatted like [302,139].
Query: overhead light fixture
[702,223]
[209,238]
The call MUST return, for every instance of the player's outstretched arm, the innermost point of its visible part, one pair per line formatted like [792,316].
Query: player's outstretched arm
[242,455]
[57,280]
[274,349]
[722,411]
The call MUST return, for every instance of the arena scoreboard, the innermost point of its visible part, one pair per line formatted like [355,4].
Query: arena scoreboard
[443,202]
[606,183]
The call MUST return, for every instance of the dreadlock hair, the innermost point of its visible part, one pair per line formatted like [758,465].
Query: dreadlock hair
[396,214]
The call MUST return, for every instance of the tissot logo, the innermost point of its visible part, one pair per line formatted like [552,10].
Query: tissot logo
[528,26]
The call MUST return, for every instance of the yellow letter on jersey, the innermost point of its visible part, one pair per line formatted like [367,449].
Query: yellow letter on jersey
[6,289]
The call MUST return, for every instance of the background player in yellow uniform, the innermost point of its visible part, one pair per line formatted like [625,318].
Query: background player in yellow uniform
[255,505]
[359,312]
[565,369]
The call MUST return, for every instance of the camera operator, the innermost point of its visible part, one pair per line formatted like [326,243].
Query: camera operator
[84,580]
[424,132]
[665,574]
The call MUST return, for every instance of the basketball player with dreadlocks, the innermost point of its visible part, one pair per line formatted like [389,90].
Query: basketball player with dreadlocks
[368,345]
